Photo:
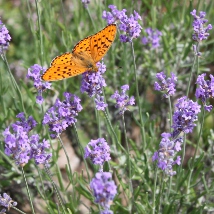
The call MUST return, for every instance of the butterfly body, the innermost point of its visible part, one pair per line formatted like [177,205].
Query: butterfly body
[83,57]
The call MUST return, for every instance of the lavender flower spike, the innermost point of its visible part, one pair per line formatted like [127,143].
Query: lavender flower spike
[205,90]
[62,114]
[92,82]
[153,38]
[166,153]
[123,100]
[167,85]
[6,201]
[98,151]
[34,73]
[129,25]
[185,116]
[104,189]
[200,31]
[4,38]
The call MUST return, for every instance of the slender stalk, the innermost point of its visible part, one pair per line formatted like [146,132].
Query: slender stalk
[115,136]
[154,191]
[97,119]
[129,164]
[138,100]
[92,21]
[40,34]
[18,210]
[28,192]
[81,151]
[192,70]
[66,154]
[13,81]
[170,123]
[55,188]
[200,133]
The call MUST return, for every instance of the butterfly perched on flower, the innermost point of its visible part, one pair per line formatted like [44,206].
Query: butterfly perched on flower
[83,57]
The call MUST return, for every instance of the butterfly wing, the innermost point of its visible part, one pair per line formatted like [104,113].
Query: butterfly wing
[62,71]
[102,41]
[83,45]
[62,59]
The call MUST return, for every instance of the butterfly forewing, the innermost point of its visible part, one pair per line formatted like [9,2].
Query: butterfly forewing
[102,41]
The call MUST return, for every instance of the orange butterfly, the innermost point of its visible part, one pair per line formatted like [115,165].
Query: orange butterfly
[84,56]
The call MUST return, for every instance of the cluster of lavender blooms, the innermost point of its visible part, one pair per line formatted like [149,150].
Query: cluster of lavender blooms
[166,85]
[62,114]
[123,100]
[34,73]
[200,31]
[6,201]
[92,83]
[205,90]
[102,185]
[153,37]
[22,146]
[167,150]
[184,118]
[129,25]
[98,151]
[4,38]
[104,190]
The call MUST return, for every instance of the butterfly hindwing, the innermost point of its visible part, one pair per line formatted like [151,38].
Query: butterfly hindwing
[59,72]
[62,59]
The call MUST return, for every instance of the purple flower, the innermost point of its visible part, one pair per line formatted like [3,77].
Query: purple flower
[123,100]
[106,212]
[28,124]
[167,152]
[6,201]
[4,37]
[153,37]
[195,49]
[21,145]
[129,25]
[62,114]
[34,73]
[98,151]
[92,82]
[186,113]
[200,31]
[85,2]
[167,85]
[100,103]
[205,90]
[38,150]
[104,189]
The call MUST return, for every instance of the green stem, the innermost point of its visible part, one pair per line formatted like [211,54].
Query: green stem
[18,210]
[200,133]
[66,154]
[55,188]
[138,100]
[129,164]
[28,192]
[13,81]
[113,132]
[92,21]
[192,70]
[154,191]
[81,151]
[40,34]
